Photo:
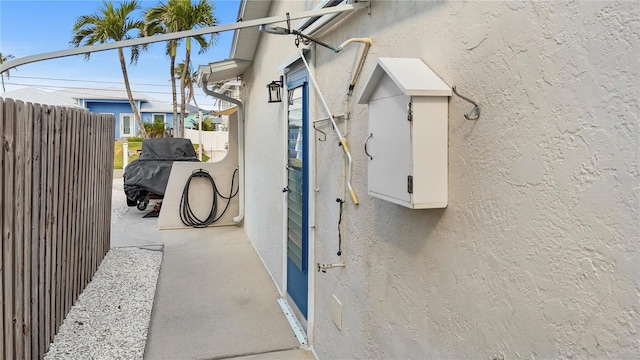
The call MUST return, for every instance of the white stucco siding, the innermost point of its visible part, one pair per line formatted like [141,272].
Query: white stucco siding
[537,253]
[265,158]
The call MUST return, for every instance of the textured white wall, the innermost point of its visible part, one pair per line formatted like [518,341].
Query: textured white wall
[537,254]
[265,156]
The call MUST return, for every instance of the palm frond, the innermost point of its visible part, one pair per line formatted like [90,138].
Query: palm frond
[111,23]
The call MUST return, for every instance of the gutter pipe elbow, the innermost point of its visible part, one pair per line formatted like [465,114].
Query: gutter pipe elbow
[366,41]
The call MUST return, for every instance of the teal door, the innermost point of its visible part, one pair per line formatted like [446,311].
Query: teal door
[298,195]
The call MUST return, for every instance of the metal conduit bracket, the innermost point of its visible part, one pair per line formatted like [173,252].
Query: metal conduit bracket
[475,110]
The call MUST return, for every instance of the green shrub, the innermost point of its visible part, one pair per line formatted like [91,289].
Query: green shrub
[207,124]
[155,130]
[134,139]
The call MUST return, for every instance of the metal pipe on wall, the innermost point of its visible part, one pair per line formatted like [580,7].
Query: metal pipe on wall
[343,141]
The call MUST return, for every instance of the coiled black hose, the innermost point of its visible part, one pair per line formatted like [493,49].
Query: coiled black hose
[186,214]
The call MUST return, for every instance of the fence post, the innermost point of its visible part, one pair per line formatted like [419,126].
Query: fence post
[200,135]
[125,154]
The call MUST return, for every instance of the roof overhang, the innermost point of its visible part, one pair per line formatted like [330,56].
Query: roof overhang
[245,39]
[221,70]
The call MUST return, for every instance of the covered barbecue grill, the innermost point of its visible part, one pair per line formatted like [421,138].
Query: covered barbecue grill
[147,176]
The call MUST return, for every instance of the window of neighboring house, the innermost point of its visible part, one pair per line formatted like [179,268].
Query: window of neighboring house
[159,117]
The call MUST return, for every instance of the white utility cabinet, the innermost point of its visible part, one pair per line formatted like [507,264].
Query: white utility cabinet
[407,145]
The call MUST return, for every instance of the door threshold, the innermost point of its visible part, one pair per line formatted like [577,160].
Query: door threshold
[297,328]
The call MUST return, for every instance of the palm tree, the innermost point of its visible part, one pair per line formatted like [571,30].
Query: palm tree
[189,89]
[4,59]
[159,20]
[112,24]
[189,82]
[190,16]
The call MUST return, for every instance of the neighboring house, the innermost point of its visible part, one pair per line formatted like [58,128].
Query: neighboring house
[536,254]
[115,101]
[106,101]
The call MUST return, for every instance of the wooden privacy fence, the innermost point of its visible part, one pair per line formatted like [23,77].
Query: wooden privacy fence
[56,165]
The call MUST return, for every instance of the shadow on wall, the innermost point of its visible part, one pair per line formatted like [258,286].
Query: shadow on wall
[401,10]
[408,230]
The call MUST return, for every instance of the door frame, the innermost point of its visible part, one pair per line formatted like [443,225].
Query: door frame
[288,68]
[133,127]
[300,81]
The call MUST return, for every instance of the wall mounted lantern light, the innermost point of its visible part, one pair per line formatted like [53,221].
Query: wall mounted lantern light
[275,90]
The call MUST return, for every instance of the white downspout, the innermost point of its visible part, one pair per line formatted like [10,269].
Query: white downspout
[216,95]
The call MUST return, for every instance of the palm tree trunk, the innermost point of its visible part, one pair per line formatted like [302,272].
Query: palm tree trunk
[173,93]
[183,79]
[136,114]
[2,77]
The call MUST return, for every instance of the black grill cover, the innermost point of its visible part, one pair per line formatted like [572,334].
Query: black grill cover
[150,172]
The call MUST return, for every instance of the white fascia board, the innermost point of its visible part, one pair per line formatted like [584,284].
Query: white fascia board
[248,10]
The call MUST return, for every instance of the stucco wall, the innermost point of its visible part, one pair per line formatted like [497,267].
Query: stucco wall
[537,254]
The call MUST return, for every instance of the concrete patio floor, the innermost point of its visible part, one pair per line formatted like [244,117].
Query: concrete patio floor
[214,298]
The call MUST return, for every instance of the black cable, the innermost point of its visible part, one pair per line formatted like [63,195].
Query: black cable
[339,231]
[186,214]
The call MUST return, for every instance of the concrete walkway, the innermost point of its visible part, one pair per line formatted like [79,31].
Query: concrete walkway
[214,298]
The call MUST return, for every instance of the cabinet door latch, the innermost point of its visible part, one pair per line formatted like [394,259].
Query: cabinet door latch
[409,112]
[410,184]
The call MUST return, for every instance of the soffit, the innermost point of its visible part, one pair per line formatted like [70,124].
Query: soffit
[245,40]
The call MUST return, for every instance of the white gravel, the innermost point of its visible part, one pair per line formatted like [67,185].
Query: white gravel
[110,319]
[118,201]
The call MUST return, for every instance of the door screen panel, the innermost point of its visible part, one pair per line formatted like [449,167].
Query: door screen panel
[295,182]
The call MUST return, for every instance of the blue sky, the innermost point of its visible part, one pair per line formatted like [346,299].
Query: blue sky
[33,27]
